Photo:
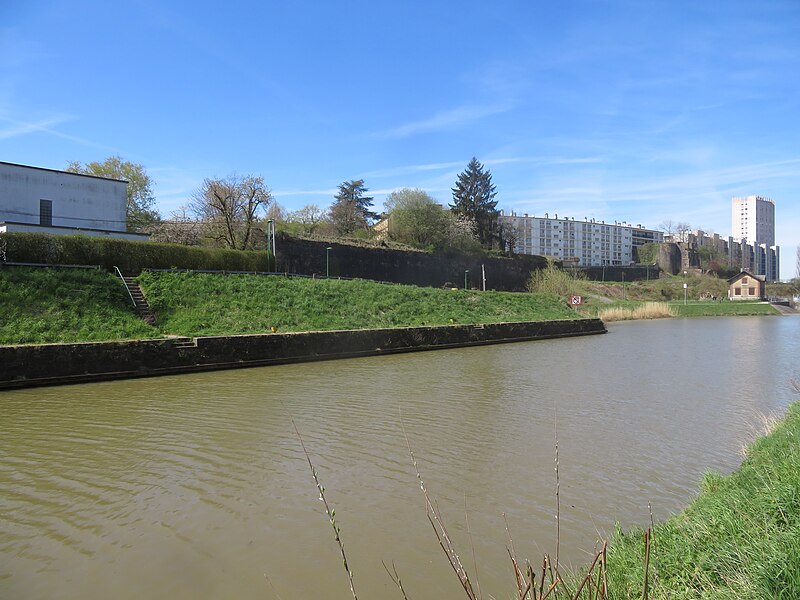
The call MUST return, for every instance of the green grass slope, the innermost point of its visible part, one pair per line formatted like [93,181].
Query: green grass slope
[195,304]
[39,306]
[739,539]
[717,309]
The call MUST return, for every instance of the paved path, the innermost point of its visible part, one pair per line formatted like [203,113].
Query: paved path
[786,310]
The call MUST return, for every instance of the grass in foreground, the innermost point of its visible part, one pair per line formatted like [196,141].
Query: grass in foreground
[195,304]
[40,306]
[740,538]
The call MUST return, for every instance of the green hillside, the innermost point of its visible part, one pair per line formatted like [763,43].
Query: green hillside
[195,304]
[39,306]
[79,305]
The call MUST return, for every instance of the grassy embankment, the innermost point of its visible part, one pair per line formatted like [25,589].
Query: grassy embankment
[202,304]
[65,305]
[740,538]
[650,299]
[664,297]
[72,305]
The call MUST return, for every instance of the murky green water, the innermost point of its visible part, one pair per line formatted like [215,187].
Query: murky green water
[196,486]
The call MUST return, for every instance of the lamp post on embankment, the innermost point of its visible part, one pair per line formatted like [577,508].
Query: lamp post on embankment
[328,261]
[685,289]
[273,263]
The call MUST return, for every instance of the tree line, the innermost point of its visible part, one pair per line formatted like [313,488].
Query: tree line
[232,212]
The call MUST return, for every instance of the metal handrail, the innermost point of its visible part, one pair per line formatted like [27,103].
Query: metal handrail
[125,283]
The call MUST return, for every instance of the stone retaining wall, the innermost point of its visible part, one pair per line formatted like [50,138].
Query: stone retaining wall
[56,364]
[408,267]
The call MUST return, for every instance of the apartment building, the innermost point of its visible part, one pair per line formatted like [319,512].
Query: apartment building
[753,227]
[753,219]
[584,243]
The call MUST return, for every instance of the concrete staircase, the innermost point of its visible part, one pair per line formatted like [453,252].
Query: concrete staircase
[142,308]
[184,343]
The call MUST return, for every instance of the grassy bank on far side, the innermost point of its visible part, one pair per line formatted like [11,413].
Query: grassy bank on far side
[196,304]
[631,310]
[739,539]
[726,307]
[39,306]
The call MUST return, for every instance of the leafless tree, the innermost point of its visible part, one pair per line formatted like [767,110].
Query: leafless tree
[797,265]
[230,208]
[667,226]
[682,230]
[276,212]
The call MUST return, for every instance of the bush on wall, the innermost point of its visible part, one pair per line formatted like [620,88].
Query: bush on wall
[129,256]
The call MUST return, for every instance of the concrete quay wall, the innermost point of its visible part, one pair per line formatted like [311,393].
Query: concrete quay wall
[58,364]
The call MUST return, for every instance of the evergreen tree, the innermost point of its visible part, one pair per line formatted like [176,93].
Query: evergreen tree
[473,199]
[351,211]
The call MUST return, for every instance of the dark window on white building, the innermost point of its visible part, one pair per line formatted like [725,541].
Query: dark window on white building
[46,212]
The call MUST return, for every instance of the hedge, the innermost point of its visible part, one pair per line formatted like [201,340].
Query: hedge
[131,257]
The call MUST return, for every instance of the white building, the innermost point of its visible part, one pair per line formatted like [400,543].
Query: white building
[753,219]
[39,200]
[585,243]
[753,224]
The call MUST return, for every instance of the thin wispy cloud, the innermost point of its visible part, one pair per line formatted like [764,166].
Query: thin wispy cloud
[461,164]
[542,160]
[447,119]
[13,128]
[288,193]
[406,169]
[738,179]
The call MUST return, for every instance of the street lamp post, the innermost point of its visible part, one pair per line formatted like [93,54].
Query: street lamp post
[466,277]
[328,261]
[685,289]
[623,285]
[271,244]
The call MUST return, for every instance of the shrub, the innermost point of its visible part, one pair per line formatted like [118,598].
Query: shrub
[553,280]
[646,254]
[129,256]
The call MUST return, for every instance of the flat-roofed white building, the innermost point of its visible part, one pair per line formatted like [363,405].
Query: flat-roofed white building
[33,199]
[586,243]
[753,222]
[753,219]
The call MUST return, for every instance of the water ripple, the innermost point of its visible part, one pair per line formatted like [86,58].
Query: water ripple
[195,486]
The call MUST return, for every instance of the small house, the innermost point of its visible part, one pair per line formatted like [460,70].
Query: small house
[746,286]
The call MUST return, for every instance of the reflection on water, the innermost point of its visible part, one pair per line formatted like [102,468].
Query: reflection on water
[196,486]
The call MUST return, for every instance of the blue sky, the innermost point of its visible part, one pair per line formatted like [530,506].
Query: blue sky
[638,111]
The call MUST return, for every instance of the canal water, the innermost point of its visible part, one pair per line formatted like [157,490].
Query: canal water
[196,486]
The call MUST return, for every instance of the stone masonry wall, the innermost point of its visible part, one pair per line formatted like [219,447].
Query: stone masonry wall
[409,267]
[55,364]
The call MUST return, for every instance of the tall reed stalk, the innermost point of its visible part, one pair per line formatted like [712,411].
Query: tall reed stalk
[648,310]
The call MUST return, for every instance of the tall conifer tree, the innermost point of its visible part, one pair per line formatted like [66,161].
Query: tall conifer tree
[473,198]
[351,211]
